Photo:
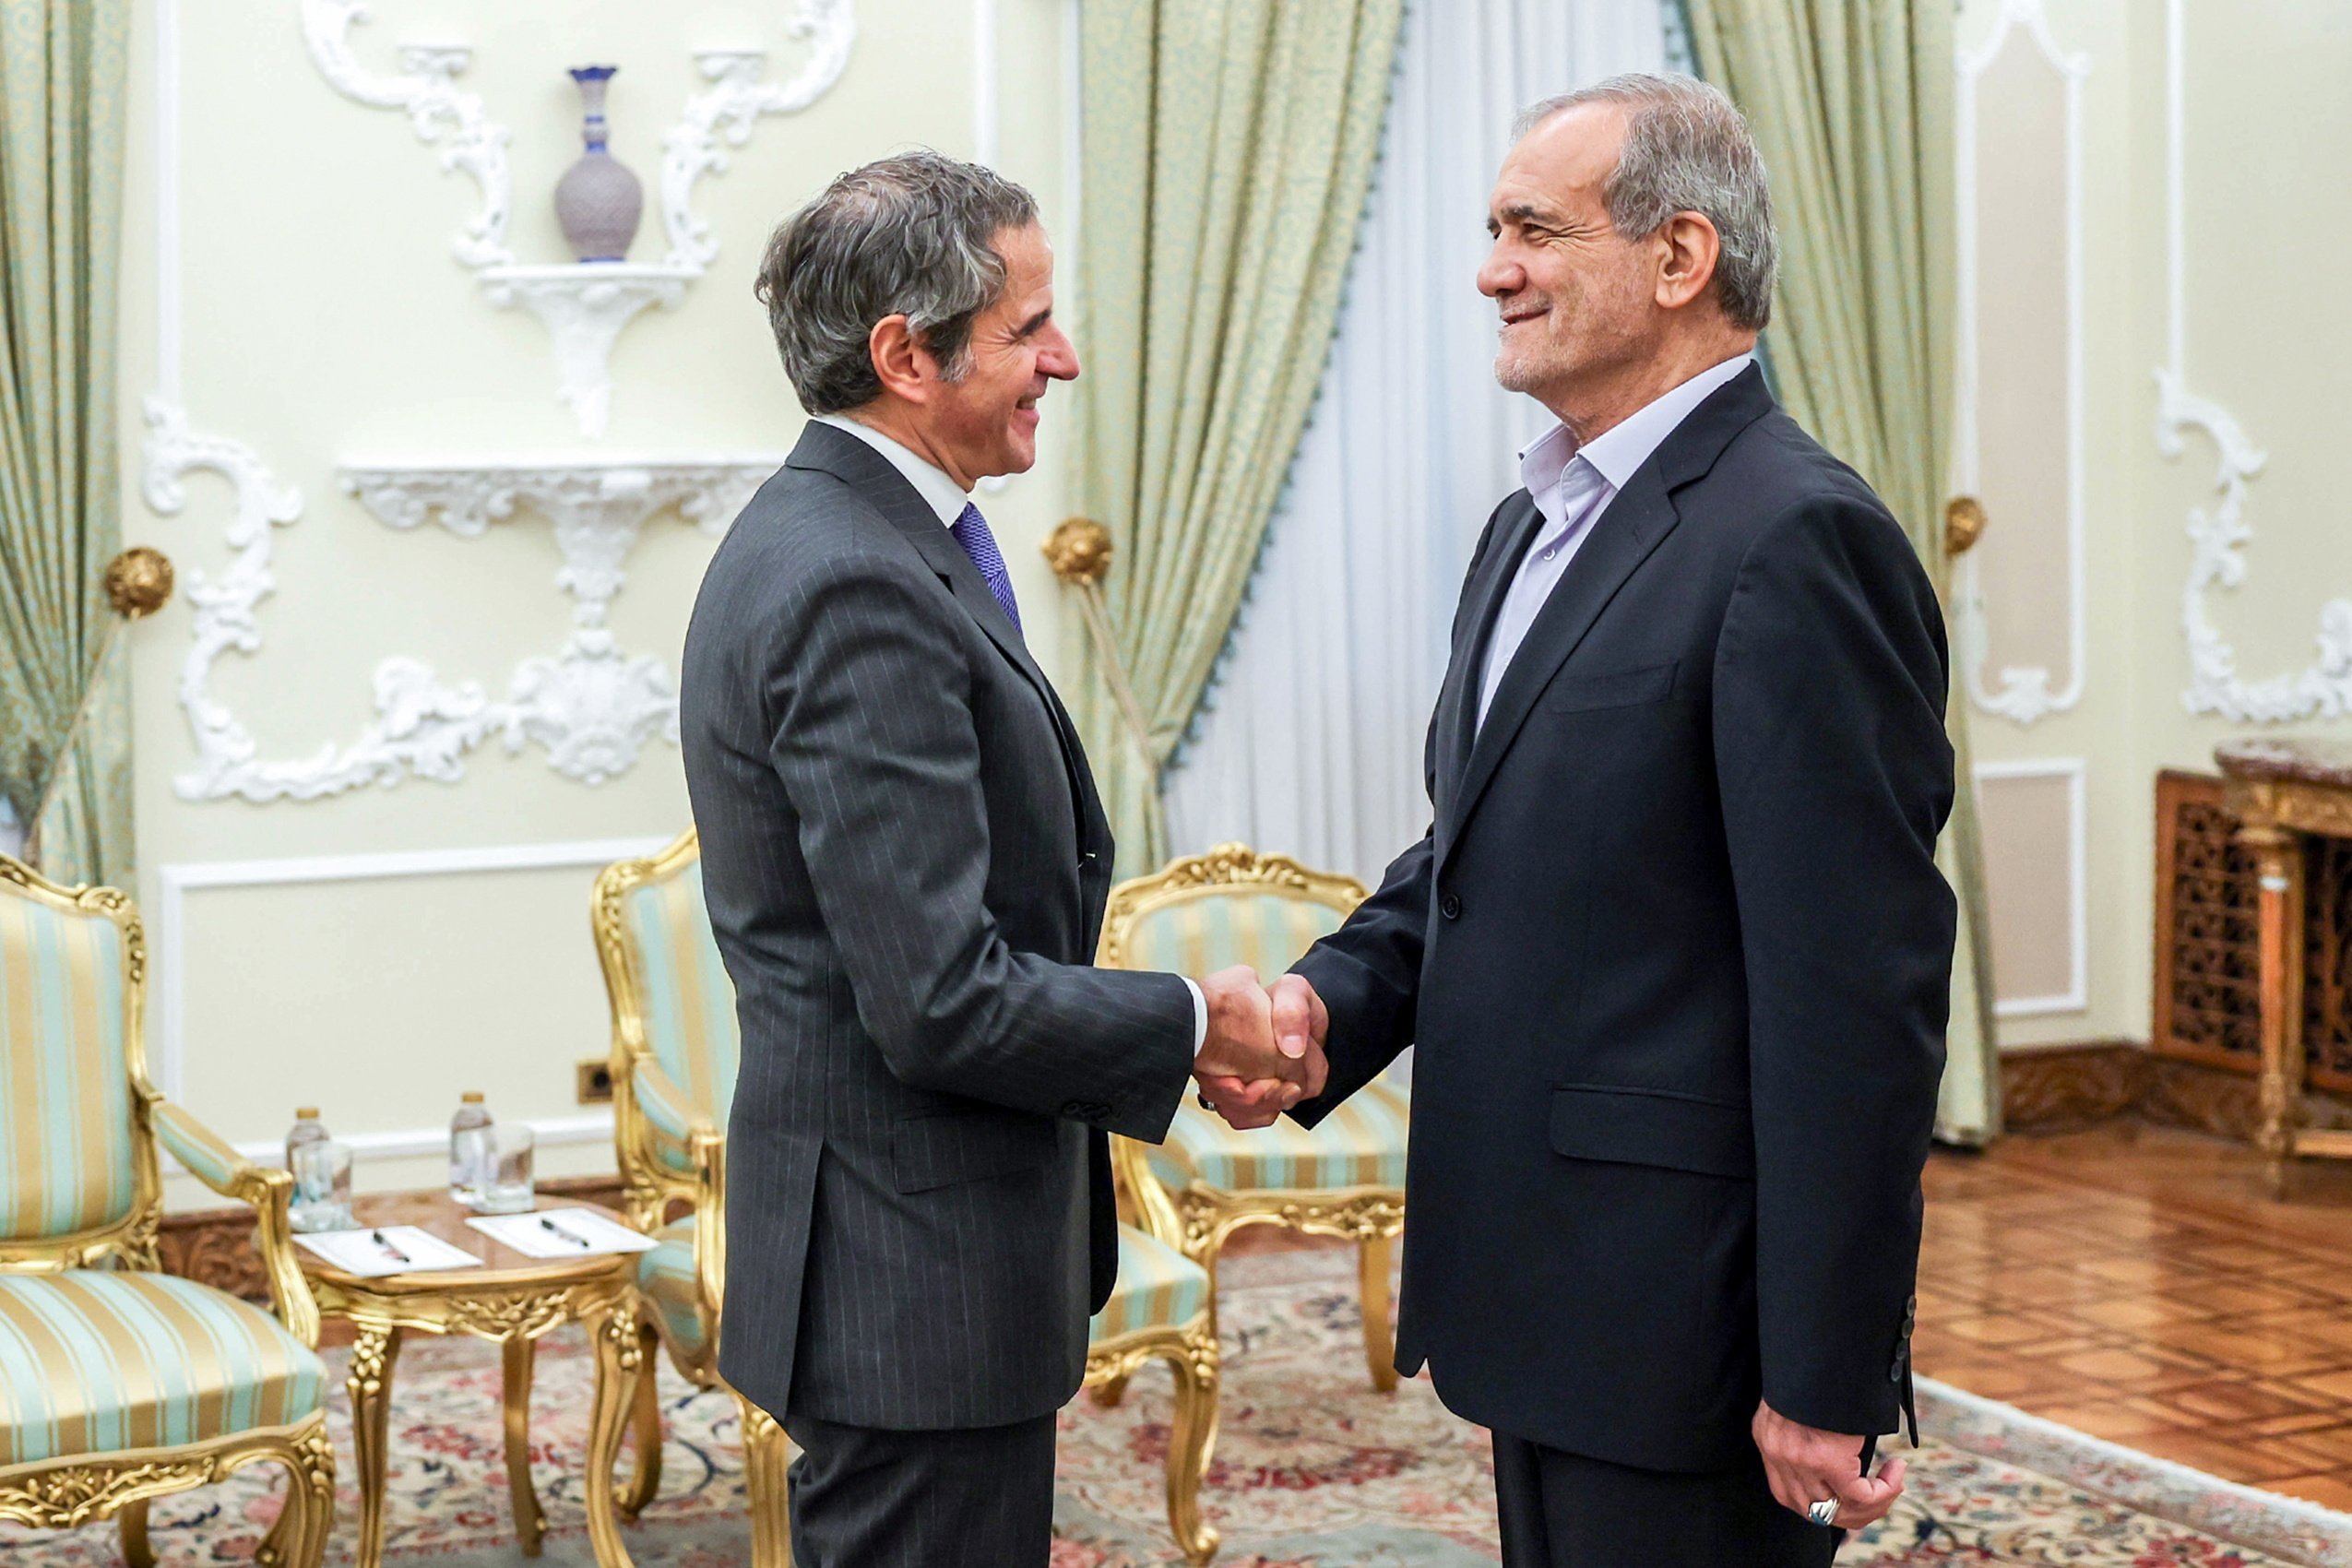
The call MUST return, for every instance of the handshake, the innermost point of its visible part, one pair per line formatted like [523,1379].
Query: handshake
[1264,1051]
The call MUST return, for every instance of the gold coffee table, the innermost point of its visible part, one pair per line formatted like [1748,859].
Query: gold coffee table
[511,1300]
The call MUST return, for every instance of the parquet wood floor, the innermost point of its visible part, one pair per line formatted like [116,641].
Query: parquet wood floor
[2141,1284]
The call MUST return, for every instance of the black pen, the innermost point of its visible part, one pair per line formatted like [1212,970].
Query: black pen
[388,1247]
[547,1224]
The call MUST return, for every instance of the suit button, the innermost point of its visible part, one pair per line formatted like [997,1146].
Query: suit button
[1450,907]
[1895,1372]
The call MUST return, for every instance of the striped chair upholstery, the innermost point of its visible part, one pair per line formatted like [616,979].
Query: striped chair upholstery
[689,1009]
[99,1361]
[1360,1144]
[1158,1287]
[65,1124]
[666,1279]
[1196,916]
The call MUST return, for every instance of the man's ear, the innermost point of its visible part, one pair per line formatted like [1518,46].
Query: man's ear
[1688,250]
[903,364]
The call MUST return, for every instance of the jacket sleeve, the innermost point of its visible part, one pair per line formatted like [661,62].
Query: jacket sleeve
[1837,779]
[874,738]
[1368,971]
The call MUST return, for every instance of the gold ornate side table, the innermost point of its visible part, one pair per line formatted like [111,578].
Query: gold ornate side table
[511,1300]
[2281,790]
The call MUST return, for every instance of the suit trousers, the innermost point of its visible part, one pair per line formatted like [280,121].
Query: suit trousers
[1561,1509]
[977,1497]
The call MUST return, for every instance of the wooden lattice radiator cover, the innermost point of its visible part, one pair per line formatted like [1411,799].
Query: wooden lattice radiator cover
[2208,996]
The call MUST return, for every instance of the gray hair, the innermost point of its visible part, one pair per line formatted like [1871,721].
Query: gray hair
[1687,149]
[910,235]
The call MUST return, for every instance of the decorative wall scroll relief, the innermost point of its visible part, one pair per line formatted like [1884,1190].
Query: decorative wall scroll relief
[2218,535]
[734,104]
[591,706]
[427,92]
[225,607]
[584,305]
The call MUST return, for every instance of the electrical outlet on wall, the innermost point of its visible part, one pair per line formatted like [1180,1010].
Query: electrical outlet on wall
[595,1077]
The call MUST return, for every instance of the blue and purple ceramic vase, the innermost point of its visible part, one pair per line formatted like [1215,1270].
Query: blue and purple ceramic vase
[598,202]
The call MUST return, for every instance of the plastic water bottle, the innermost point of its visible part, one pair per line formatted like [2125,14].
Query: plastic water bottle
[307,1129]
[469,1150]
[322,1169]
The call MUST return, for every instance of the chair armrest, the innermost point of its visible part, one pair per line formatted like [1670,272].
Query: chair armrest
[708,1147]
[211,1161]
[670,1117]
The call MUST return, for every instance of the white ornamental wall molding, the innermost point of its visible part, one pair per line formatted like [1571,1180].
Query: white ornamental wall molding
[591,706]
[584,306]
[2218,533]
[427,91]
[2026,693]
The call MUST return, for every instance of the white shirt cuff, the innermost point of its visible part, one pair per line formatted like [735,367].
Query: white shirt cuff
[1200,1014]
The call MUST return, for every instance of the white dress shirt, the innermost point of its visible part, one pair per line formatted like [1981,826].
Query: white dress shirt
[948,499]
[1573,486]
[941,494]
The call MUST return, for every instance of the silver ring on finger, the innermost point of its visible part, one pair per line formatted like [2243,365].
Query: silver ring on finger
[1823,1513]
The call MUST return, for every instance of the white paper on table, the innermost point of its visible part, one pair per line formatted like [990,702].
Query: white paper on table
[359,1253]
[526,1235]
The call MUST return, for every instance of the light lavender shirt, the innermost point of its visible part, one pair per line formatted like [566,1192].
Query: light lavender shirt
[1573,486]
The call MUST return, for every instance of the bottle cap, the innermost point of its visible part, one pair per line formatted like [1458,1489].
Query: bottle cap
[306,1114]
[471,1096]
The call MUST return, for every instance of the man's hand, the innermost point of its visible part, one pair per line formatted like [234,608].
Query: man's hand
[1806,1465]
[1243,1071]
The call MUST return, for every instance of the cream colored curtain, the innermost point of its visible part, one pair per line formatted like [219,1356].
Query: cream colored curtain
[64,68]
[1228,152]
[1851,104]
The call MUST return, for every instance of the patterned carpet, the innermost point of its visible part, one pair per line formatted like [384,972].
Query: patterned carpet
[1312,1470]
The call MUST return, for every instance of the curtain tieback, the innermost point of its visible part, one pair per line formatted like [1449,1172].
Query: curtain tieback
[1079,551]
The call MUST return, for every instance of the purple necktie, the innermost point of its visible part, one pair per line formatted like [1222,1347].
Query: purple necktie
[971,531]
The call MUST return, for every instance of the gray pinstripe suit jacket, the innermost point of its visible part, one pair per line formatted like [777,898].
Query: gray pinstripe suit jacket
[906,866]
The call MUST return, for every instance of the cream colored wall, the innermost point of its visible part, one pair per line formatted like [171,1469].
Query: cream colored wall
[298,956]
[2266,350]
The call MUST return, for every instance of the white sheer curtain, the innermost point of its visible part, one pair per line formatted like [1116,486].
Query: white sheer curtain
[1313,746]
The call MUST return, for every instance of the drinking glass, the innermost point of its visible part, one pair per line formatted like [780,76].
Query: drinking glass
[509,1189]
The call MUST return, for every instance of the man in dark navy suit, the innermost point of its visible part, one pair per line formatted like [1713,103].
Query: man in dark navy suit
[1675,954]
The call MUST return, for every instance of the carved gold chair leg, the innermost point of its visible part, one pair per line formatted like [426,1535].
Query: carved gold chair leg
[137,1552]
[645,1428]
[1192,1438]
[1380,1334]
[299,1538]
[767,1452]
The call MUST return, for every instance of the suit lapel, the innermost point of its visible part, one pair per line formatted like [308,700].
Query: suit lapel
[1635,522]
[846,458]
[1456,696]
[1624,536]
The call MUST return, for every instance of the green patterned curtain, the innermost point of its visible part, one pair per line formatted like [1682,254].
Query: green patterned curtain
[1851,104]
[1228,155]
[63,66]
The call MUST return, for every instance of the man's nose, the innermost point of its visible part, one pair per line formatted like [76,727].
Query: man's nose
[1059,358]
[1499,275]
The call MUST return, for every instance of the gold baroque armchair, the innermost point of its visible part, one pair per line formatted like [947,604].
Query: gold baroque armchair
[119,1383]
[1345,1177]
[675,1049]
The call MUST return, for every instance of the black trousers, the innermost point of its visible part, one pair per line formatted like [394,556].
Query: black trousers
[1565,1511]
[977,1498]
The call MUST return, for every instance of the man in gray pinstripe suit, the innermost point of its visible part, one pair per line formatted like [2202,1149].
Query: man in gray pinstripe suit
[906,864]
